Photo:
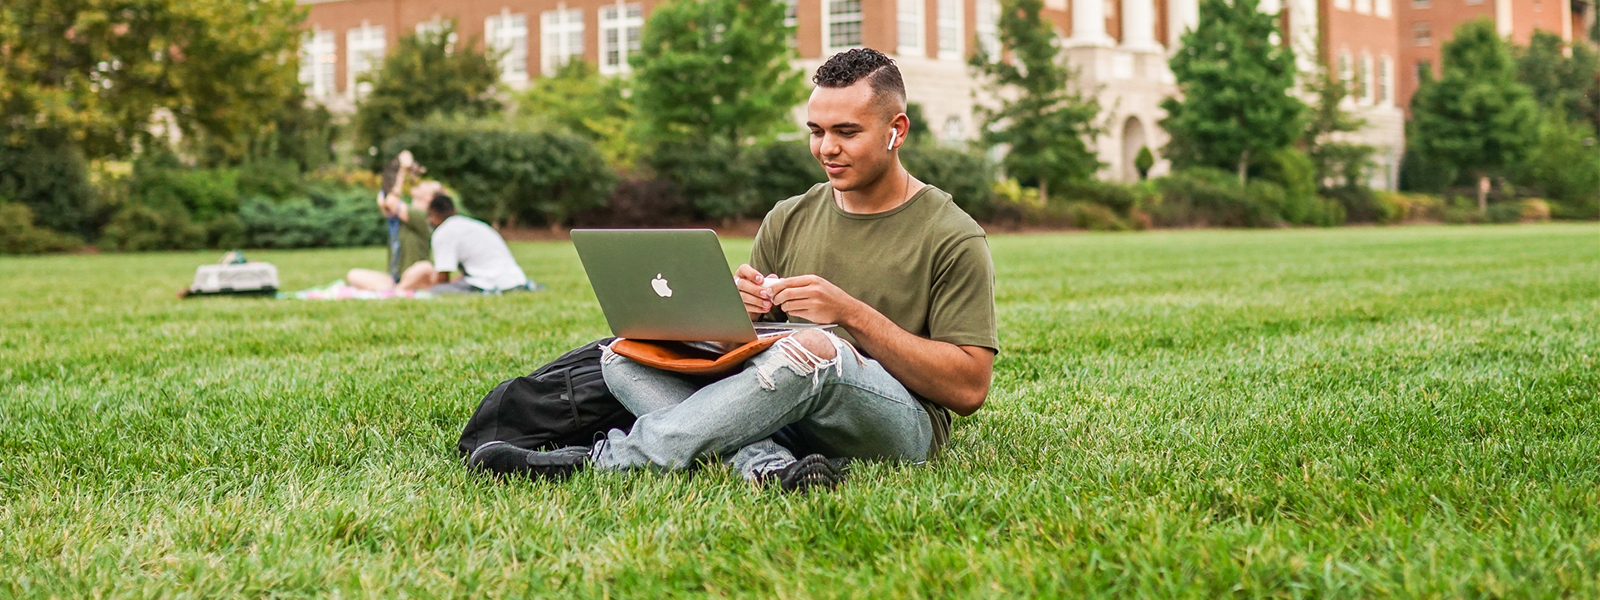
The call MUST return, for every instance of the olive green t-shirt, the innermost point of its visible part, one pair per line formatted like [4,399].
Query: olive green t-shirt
[924,264]
[416,238]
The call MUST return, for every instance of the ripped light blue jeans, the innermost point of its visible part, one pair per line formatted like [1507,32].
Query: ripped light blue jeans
[844,406]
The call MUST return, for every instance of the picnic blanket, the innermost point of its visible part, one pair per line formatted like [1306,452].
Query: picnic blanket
[339,290]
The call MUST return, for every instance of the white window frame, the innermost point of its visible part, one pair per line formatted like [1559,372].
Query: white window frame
[1364,7]
[952,44]
[791,20]
[507,33]
[1383,8]
[1385,79]
[912,27]
[621,31]
[1426,29]
[988,27]
[1341,4]
[364,50]
[829,20]
[1368,94]
[319,63]
[560,38]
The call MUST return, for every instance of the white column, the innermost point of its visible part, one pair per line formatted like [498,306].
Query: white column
[1182,15]
[1139,26]
[1089,24]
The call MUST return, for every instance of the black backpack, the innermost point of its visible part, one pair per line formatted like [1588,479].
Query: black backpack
[564,403]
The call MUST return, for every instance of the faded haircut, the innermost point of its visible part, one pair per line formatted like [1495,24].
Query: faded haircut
[846,68]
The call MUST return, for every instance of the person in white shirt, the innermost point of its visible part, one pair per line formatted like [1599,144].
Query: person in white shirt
[473,248]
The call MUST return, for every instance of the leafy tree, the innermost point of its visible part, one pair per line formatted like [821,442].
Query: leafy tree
[98,71]
[716,69]
[426,75]
[581,101]
[1568,85]
[1235,77]
[1477,117]
[1044,119]
[504,174]
[711,76]
[1336,164]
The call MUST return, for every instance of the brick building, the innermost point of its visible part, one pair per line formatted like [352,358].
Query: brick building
[1120,48]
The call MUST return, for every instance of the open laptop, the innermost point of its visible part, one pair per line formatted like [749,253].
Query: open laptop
[668,284]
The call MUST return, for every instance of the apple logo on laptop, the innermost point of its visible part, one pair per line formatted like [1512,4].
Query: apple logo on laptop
[660,286]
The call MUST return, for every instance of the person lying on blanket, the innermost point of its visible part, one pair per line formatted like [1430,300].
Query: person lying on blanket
[901,270]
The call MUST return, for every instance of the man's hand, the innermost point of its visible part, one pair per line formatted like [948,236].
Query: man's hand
[815,299]
[757,299]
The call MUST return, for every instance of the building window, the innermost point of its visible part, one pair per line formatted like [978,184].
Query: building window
[1364,7]
[1421,34]
[1474,1]
[1385,81]
[1345,75]
[621,28]
[843,19]
[560,38]
[950,30]
[364,48]
[988,27]
[1421,3]
[1341,4]
[791,20]
[1364,76]
[1383,8]
[435,27]
[1424,71]
[507,34]
[911,26]
[953,133]
[319,63]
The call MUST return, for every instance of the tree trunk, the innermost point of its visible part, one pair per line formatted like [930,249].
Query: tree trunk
[1483,194]
[1044,191]
[1244,166]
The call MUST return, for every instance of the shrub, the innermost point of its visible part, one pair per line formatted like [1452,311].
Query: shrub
[1119,198]
[780,170]
[1213,197]
[19,234]
[160,182]
[967,176]
[1459,210]
[1094,217]
[1535,210]
[712,175]
[52,180]
[1563,168]
[1504,212]
[323,218]
[505,174]
[138,228]
[639,203]
[1399,207]
[1017,204]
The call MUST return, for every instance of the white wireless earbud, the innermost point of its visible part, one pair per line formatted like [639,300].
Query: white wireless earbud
[893,135]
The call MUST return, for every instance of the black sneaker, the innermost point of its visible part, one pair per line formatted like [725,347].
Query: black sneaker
[502,458]
[806,474]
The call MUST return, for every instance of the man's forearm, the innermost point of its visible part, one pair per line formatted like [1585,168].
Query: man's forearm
[953,376]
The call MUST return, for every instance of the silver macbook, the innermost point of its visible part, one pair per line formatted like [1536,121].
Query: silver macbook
[667,284]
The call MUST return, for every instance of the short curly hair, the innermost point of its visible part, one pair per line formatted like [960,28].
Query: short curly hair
[846,68]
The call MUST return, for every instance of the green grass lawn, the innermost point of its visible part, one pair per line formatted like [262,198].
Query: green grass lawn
[1295,413]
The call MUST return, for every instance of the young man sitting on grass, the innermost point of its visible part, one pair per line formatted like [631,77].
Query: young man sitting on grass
[892,262]
[475,249]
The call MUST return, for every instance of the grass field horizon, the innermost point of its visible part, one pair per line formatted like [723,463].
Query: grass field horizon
[1356,412]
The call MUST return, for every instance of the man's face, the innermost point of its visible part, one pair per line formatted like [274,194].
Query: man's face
[423,193]
[850,135]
